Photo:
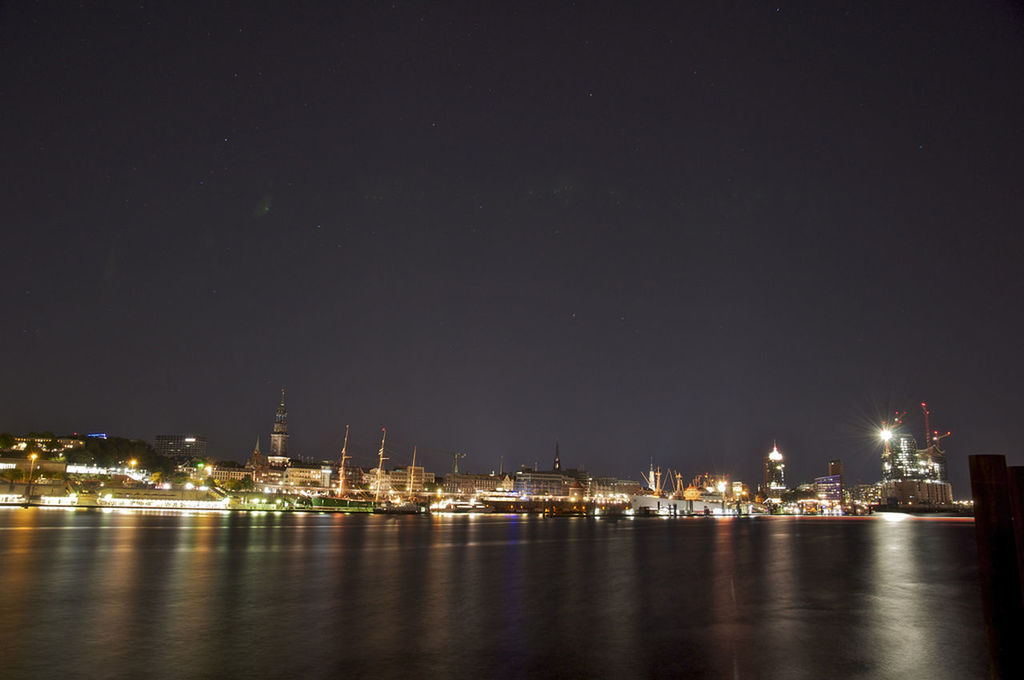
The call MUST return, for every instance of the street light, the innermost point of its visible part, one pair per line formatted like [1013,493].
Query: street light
[31,469]
[721,490]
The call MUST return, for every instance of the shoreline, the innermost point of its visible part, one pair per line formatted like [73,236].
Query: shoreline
[885,514]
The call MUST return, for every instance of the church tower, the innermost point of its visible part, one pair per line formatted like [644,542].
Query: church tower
[558,460]
[279,437]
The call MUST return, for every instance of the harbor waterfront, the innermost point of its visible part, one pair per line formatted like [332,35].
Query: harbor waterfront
[229,594]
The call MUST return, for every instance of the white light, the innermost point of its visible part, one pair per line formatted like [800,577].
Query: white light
[886,435]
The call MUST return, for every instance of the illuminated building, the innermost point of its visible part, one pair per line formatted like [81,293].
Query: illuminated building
[931,463]
[835,469]
[229,474]
[865,494]
[377,480]
[829,489]
[900,460]
[612,486]
[279,436]
[912,476]
[774,474]
[530,483]
[466,484]
[38,466]
[46,445]
[400,478]
[308,475]
[180,446]
[916,492]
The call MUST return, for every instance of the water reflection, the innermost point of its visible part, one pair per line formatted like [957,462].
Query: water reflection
[218,594]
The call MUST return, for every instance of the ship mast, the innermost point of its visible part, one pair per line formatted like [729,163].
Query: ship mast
[411,467]
[380,463]
[344,456]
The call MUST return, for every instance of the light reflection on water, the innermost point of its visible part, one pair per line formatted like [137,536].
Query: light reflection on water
[202,595]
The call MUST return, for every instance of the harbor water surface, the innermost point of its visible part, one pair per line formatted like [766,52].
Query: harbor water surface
[146,595]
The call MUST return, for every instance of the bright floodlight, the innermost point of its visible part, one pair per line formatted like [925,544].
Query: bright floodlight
[886,435]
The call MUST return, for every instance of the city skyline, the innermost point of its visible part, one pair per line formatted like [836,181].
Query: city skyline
[176,445]
[679,232]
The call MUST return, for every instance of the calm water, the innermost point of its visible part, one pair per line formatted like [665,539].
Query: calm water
[93,594]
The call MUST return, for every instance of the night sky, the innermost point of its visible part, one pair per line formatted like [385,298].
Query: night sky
[669,231]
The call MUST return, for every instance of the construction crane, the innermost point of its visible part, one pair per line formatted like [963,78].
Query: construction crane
[927,427]
[455,462]
[931,436]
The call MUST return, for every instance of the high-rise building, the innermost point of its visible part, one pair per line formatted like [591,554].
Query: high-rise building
[900,460]
[904,462]
[912,476]
[279,436]
[835,469]
[774,474]
[180,446]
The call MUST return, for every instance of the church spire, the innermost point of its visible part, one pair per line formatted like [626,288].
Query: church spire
[256,458]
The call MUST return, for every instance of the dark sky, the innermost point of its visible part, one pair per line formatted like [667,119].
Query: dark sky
[670,231]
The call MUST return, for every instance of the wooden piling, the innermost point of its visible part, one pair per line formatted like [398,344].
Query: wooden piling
[997,564]
[1015,486]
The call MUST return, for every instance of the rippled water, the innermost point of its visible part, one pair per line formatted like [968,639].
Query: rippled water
[94,594]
